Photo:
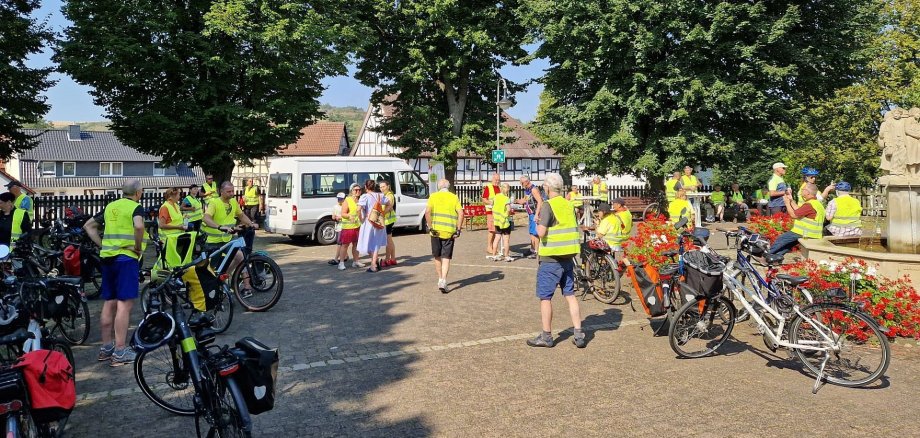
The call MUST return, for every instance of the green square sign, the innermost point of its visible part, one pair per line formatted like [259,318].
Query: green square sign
[498,156]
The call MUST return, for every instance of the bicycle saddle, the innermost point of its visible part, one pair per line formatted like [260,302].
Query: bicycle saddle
[17,337]
[773,259]
[794,280]
[68,280]
[669,269]
[836,293]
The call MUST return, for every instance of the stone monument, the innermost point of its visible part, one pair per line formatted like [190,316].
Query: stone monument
[899,139]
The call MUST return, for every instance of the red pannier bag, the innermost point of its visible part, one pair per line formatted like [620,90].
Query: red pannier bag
[49,380]
[72,261]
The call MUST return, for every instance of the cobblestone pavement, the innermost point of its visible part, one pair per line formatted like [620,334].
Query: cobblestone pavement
[386,354]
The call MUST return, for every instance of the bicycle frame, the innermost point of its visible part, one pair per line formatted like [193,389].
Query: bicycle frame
[229,250]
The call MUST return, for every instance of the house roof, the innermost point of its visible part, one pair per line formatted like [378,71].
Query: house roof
[55,145]
[6,178]
[319,139]
[185,177]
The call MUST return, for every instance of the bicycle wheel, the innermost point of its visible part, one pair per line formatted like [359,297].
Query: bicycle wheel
[54,344]
[607,280]
[266,283]
[222,312]
[74,325]
[859,353]
[694,333]
[93,275]
[164,378]
[224,419]
[653,209]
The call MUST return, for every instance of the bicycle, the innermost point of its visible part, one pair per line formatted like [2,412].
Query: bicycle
[829,332]
[658,207]
[264,275]
[178,369]
[15,406]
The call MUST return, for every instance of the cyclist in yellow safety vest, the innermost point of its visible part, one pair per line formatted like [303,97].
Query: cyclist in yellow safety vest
[489,191]
[503,217]
[352,217]
[220,219]
[599,188]
[616,227]
[689,181]
[844,212]
[252,201]
[680,208]
[22,201]
[671,186]
[808,224]
[717,197]
[13,221]
[573,197]
[738,203]
[557,229]
[444,217]
[192,208]
[209,189]
[121,246]
[173,224]
[389,258]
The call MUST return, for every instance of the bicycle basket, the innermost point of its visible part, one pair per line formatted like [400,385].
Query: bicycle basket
[153,331]
[258,374]
[703,272]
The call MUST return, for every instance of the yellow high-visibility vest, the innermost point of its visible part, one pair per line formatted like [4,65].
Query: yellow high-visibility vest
[354,221]
[560,239]
[848,214]
[224,214]
[251,196]
[670,189]
[444,216]
[810,228]
[197,214]
[500,211]
[118,234]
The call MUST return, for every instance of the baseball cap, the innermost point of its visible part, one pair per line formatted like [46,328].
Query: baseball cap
[12,184]
[778,165]
[340,195]
[604,207]
[620,201]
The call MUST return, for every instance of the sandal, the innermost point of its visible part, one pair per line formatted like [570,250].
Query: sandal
[372,270]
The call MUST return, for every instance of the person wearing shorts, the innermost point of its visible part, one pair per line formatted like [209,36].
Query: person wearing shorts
[444,218]
[123,224]
[532,202]
[389,256]
[489,191]
[351,224]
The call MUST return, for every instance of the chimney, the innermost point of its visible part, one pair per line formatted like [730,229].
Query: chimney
[73,133]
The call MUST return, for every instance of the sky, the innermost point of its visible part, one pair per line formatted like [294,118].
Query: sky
[72,102]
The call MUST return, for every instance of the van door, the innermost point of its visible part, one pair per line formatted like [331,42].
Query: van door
[411,199]
[280,204]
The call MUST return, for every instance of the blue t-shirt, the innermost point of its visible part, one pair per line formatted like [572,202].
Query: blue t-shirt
[778,201]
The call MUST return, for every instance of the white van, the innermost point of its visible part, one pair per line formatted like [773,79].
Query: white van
[301,192]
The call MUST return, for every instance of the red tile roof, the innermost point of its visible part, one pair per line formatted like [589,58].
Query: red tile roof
[318,139]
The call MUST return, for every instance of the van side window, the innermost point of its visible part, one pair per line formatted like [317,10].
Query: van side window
[279,185]
[412,185]
[377,177]
[323,185]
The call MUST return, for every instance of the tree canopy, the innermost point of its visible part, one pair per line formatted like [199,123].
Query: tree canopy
[645,87]
[205,82]
[441,58]
[21,87]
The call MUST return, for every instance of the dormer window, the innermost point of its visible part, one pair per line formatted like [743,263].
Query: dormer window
[69,169]
[110,169]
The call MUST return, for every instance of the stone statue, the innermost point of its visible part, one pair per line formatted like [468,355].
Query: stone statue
[899,139]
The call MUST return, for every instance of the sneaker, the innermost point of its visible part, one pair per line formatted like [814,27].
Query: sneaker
[105,352]
[579,341]
[540,341]
[442,286]
[123,357]
[493,258]
[358,265]
[341,266]
[509,259]
[532,255]
[393,262]
[246,293]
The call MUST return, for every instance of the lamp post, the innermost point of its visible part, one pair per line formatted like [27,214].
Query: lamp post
[501,103]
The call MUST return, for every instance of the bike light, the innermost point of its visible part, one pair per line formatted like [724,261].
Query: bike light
[229,370]
[294,213]
[12,406]
[223,277]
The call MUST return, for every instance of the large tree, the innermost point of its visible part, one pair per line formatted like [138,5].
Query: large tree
[838,134]
[204,81]
[21,87]
[441,59]
[646,86]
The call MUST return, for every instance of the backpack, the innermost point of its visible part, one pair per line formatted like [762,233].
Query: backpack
[646,284]
[376,216]
[49,380]
[258,374]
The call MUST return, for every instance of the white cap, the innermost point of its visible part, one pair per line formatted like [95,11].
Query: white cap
[778,165]
[340,195]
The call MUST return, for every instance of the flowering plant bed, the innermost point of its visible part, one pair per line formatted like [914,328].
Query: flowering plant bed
[653,236]
[770,227]
[894,303]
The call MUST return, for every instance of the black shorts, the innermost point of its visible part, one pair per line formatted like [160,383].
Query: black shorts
[390,229]
[505,231]
[443,248]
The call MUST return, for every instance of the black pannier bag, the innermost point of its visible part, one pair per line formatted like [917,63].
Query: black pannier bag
[258,375]
[703,272]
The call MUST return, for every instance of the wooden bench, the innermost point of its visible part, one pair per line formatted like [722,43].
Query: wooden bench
[637,205]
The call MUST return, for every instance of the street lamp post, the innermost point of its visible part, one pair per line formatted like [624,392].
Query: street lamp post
[501,103]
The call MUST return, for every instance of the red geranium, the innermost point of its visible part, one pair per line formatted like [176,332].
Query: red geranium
[653,236]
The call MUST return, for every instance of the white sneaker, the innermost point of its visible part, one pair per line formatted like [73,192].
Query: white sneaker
[341,266]
[442,284]
[358,265]
[508,259]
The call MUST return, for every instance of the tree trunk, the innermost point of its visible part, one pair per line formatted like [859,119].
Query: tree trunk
[222,171]
[655,184]
[456,107]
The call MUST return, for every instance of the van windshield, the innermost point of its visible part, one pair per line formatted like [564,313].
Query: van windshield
[279,185]
[412,185]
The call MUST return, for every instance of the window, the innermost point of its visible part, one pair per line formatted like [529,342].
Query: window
[279,185]
[70,169]
[48,168]
[159,169]
[110,169]
[412,185]
[323,185]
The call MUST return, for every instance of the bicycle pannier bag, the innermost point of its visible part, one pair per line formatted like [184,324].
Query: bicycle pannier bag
[258,375]
[72,260]
[50,381]
[204,288]
[703,273]
[646,284]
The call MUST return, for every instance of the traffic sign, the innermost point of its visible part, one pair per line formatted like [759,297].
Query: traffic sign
[498,156]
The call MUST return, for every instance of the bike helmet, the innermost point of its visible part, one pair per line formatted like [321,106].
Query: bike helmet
[809,171]
[843,186]
[599,245]
[153,331]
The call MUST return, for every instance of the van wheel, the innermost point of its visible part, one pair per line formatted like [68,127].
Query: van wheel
[325,233]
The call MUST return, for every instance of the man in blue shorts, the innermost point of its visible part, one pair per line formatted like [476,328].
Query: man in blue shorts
[557,228]
[532,202]
[120,250]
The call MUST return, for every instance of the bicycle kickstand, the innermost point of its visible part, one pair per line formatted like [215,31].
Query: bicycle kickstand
[819,382]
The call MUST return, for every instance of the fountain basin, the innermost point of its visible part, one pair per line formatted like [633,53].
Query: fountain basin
[891,265]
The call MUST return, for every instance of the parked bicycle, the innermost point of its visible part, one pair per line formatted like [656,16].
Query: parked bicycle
[263,275]
[657,208]
[180,371]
